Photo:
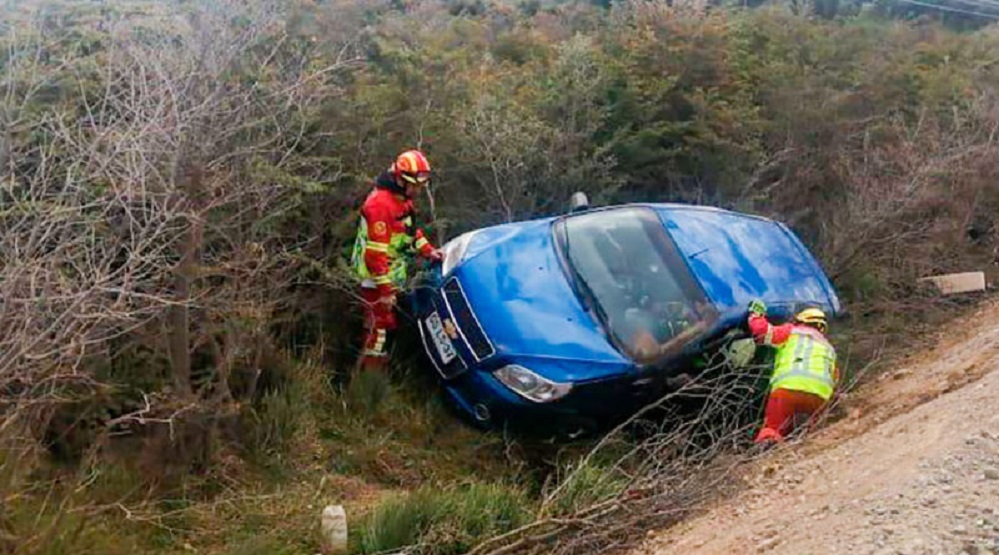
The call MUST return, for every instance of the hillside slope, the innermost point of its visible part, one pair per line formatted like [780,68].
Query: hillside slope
[914,469]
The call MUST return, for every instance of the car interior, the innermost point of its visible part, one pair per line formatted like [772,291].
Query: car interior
[642,300]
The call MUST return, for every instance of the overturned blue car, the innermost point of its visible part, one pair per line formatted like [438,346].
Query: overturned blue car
[572,321]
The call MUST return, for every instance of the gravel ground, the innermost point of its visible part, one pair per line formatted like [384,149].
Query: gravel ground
[950,506]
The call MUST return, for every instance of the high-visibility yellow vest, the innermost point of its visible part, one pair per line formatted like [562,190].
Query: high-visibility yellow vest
[805,362]
[398,247]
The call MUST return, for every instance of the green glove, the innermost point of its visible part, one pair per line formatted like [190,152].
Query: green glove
[756,306]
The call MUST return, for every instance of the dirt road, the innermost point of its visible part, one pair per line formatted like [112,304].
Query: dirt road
[913,470]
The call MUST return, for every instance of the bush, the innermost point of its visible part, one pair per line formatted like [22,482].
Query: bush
[273,424]
[366,392]
[293,393]
[442,521]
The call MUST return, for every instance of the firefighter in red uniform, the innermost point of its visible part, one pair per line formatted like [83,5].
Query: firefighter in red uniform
[386,239]
[805,374]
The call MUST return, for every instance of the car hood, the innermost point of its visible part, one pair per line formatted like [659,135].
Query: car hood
[516,286]
[738,257]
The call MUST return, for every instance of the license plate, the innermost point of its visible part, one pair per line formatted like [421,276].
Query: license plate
[443,343]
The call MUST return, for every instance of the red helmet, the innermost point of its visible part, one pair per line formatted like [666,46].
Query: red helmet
[411,167]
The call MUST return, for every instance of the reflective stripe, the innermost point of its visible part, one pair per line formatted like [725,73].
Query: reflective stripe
[377,247]
[414,165]
[810,375]
[422,242]
[378,349]
[384,279]
[799,351]
[768,339]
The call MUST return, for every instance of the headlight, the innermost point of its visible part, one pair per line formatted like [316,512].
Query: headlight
[531,386]
[454,251]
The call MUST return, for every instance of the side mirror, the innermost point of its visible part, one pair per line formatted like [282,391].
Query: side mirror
[578,202]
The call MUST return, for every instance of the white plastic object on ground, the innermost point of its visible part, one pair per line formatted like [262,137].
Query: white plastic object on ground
[950,284]
[740,352]
[334,527]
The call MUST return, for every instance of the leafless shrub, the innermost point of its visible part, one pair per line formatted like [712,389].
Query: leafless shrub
[913,189]
[150,199]
[661,473]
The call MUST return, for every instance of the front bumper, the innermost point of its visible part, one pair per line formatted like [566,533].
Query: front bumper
[486,402]
[589,407]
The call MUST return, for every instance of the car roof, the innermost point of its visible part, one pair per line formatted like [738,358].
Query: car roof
[672,206]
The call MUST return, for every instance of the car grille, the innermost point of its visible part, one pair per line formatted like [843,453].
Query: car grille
[466,321]
[447,371]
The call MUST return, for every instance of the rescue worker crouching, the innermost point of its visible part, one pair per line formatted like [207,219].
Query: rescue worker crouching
[805,374]
[387,239]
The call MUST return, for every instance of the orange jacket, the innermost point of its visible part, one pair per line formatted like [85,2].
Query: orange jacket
[391,233]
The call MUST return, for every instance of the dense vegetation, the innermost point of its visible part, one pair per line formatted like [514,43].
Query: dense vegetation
[178,185]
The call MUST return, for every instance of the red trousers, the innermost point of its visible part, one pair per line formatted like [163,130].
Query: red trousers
[379,319]
[784,408]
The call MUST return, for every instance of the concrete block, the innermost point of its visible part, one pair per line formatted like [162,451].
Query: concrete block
[950,284]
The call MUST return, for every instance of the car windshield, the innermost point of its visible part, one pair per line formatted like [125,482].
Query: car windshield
[630,275]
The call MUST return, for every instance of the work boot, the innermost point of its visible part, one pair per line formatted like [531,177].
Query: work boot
[762,446]
[768,438]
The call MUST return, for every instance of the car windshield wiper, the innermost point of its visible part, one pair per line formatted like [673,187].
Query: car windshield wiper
[587,291]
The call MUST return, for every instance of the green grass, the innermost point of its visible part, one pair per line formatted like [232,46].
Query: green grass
[444,521]
[586,486]
[274,423]
[51,519]
[263,545]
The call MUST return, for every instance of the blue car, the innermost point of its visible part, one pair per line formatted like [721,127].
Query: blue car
[570,322]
